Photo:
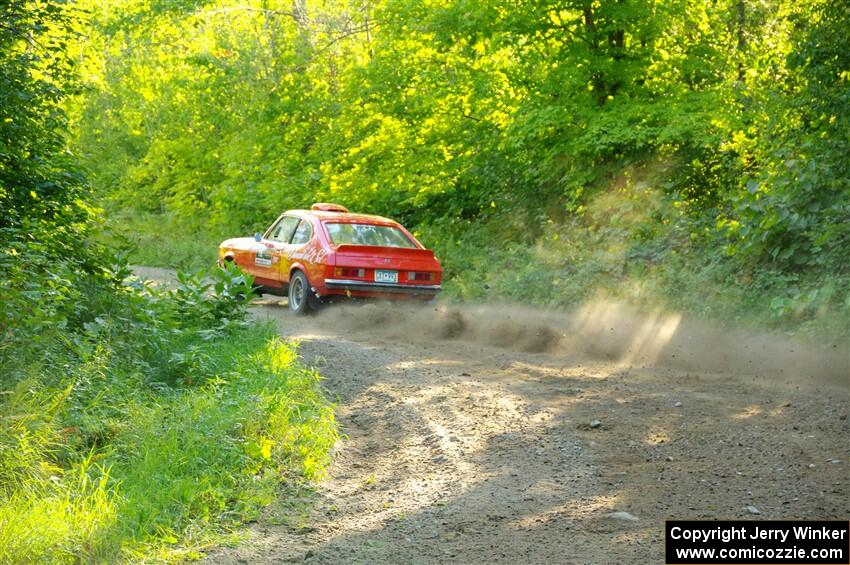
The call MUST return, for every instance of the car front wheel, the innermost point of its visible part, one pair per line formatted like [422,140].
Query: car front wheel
[300,299]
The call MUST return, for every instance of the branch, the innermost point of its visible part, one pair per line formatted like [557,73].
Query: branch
[26,37]
[345,35]
[246,9]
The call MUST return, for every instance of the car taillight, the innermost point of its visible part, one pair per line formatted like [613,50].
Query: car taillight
[349,272]
[417,276]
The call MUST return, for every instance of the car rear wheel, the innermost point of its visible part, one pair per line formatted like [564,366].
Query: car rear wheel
[301,299]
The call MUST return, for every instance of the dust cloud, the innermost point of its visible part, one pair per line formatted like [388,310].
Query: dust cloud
[608,330]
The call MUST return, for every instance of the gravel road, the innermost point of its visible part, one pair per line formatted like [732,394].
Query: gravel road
[499,435]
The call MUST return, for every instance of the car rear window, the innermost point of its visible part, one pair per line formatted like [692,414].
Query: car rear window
[367,234]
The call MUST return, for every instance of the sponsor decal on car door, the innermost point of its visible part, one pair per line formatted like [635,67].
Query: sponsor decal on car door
[264,256]
[268,252]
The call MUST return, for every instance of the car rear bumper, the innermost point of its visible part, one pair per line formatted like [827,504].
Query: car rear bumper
[394,288]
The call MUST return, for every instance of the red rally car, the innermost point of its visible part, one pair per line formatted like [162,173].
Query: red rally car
[313,256]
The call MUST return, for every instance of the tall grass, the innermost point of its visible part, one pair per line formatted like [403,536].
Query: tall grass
[62,519]
[171,422]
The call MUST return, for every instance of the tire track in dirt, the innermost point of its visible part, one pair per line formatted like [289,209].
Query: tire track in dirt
[459,451]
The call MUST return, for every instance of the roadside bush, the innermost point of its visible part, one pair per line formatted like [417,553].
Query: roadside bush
[129,417]
[153,423]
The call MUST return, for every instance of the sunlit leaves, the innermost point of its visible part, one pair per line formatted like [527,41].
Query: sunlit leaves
[228,112]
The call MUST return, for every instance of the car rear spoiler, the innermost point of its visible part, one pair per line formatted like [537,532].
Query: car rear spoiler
[373,250]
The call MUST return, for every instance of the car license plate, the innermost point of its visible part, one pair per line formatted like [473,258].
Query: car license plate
[386,276]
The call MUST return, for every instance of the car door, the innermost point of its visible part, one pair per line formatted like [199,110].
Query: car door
[267,252]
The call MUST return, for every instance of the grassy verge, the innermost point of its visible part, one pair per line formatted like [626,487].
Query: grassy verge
[154,432]
[631,243]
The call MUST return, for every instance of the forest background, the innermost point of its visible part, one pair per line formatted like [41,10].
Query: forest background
[686,154]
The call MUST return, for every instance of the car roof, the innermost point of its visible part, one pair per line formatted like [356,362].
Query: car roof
[346,217]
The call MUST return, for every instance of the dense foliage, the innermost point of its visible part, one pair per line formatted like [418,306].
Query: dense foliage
[211,117]
[166,418]
[131,418]
[43,225]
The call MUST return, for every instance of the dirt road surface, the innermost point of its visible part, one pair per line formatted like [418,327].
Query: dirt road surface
[501,435]
[487,436]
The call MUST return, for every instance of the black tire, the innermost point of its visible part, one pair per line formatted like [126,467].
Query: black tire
[301,298]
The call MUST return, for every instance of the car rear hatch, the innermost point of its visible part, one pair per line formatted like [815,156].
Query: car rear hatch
[391,269]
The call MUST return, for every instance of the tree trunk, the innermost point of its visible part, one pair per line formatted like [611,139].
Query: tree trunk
[741,23]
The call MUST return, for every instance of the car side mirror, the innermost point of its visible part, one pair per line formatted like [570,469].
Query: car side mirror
[258,238]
